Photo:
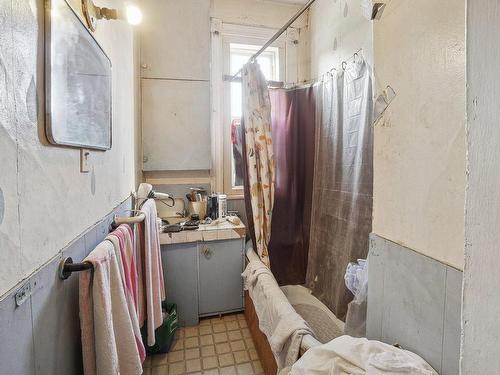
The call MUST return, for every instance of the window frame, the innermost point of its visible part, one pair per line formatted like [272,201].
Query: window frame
[223,35]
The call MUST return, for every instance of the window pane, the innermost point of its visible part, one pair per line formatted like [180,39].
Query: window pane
[237,154]
[269,65]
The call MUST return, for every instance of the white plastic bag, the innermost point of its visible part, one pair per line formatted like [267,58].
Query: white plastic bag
[356,280]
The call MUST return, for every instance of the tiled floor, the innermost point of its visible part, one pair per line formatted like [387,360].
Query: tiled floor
[217,346]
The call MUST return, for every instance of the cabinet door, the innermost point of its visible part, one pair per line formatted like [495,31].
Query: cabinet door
[175,125]
[221,284]
[181,280]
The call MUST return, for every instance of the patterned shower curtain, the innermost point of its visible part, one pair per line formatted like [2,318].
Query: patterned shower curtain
[259,162]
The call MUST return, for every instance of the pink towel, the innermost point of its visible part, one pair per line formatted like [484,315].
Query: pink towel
[139,256]
[122,241]
[153,271]
[108,342]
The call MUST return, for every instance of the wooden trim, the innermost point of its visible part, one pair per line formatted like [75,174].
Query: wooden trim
[261,344]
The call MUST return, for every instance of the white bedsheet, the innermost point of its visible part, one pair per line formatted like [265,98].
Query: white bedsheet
[347,355]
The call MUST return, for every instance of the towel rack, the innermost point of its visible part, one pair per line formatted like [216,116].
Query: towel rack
[67,267]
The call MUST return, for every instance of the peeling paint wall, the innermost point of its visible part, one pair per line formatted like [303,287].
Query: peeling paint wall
[419,160]
[45,201]
[481,299]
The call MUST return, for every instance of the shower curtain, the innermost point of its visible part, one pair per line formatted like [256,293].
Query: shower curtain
[343,183]
[293,114]
[258,162]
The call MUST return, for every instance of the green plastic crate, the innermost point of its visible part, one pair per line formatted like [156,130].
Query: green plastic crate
[164,334]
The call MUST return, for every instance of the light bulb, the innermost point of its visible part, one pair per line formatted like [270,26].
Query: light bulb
[134,15]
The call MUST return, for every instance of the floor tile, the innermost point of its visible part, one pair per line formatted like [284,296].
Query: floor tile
[161,370]
[226,360]
[257,367]
[206,330]
[231,370]
[246,333]
[207,351]
[206,340]
[191,331]
[192,353]
[237,345]
[176,356]
[159,360]
[205,322]
[234,335]
[222,348]
[219,327]
[209,363]
[176,368]
[220,337]
[241,356]
[178,345]
[229,317]
[249,343]
[231,326]
[191,342]
[216,346]
[253,354]
[245,369]
[193,365]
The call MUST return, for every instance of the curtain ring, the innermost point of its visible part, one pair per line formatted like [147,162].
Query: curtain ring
[344,65]
[355,55]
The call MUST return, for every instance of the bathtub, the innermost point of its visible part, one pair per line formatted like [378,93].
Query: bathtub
[313,311]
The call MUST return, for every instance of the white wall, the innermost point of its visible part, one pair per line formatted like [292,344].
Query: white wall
[419,150]
[338,29]
[47,201]
[481,300]
[255,13]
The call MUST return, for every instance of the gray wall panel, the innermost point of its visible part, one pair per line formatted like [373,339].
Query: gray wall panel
[42,336]
[414,300]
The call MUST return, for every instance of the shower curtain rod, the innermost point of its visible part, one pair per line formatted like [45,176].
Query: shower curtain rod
[276,36]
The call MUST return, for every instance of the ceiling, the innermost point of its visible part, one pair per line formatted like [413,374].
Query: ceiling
[291,2]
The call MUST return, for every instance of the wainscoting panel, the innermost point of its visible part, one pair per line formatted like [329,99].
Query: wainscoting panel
[42,335]
[414,301]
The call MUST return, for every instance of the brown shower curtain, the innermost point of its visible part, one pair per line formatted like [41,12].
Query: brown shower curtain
[293,117]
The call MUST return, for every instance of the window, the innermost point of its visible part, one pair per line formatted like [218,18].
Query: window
[238,55]
[232,46]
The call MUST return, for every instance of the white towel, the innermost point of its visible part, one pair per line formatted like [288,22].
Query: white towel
[278,320]
[108,341]
[152,271]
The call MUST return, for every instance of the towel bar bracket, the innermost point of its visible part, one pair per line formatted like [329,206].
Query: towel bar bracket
[67,267]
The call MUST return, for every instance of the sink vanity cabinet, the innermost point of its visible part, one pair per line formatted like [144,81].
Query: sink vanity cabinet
[202,271]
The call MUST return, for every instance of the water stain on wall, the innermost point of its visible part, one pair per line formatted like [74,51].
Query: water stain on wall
[31,100]
[92,182]
[2,206]
[346,10]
